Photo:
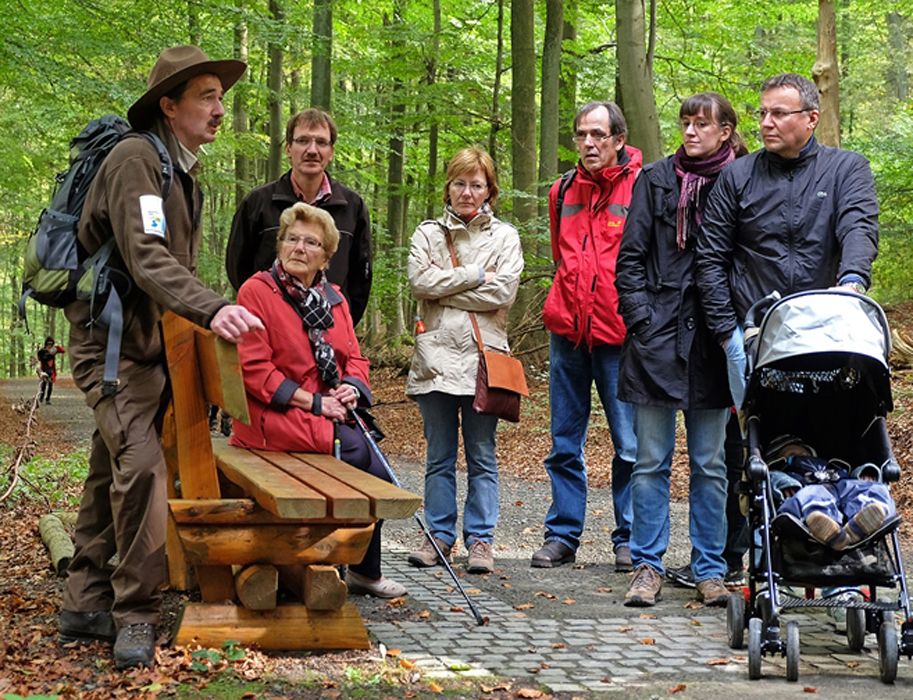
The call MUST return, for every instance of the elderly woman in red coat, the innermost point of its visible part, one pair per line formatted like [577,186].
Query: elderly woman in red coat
[305,371]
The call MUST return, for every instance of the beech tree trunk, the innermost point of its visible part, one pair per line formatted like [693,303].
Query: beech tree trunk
[827,76]
[548,108]
[567,93]
[523,111]
[321,54]
[496,88]
[239,120]
[274,81]
[635,79]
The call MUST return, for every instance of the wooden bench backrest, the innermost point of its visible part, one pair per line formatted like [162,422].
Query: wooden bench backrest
[204,369]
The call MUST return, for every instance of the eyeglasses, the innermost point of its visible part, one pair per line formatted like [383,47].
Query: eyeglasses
[700,124]
[309,242]
[474,187]
[595,136]
[319,141]
[779,114]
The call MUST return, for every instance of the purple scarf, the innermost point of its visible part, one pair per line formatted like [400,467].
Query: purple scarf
[696,174]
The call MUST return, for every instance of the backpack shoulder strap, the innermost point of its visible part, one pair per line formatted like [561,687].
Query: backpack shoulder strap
[167,167]
[566,179]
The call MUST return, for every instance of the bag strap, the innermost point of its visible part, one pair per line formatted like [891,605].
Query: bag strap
[456,263]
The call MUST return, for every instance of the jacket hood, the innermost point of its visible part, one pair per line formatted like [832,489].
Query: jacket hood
[630,158]
[482,218]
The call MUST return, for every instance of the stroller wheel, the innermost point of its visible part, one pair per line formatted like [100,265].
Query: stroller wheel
[888,650]
[792,651]
[755,629]
[735,620]
[855,628]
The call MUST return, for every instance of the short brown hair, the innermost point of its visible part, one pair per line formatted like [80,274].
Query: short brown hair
[310,117]
[309,214]
[617,123]
[469,160]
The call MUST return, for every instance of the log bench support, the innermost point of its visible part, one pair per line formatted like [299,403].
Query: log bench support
[260,533]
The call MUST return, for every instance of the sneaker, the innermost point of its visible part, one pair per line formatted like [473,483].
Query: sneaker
[823,527]
[382,587]
[838,615]
[481,558]
[681,575]
[135,646]
[86,626]
[645,587]
[711,591]
[623,562]
[552,554]
[425,555]
[734,578]
[864,523]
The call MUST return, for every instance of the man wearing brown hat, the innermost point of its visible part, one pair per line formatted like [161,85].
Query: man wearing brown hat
[124,507]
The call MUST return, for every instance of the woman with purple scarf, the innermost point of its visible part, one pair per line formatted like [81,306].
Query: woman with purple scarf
[670,362]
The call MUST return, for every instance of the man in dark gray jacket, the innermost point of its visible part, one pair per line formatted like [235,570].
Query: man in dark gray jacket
[793,216]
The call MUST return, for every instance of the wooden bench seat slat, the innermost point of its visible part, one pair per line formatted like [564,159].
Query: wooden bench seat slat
[272,488]
[343,501]
[243,512]
[389,502]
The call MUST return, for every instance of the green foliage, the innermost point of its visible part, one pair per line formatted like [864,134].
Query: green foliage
[209,660]
[56,481]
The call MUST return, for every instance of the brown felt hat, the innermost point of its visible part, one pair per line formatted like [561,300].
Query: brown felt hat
[173,67]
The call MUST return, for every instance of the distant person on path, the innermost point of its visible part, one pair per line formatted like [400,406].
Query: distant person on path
[310,138]
[442,378]
[581,314]
[47,368]
[670,361]
[305,371]
[124,505]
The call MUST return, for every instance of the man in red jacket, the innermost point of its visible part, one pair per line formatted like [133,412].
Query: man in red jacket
[587,209]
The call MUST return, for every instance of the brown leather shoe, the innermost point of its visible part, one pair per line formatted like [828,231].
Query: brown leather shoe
[623,562]
[425,555]
[712,592]
[552,554]
[644,590]
[481,558]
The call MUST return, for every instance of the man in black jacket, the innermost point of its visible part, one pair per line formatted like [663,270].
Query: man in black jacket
[310,137]
[791,217]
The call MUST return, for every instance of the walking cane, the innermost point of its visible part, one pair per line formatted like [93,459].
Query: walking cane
[359,421]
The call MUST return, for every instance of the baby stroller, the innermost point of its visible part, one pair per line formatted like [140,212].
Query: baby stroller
[817,368]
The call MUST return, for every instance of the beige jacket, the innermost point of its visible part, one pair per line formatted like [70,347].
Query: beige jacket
[446,357]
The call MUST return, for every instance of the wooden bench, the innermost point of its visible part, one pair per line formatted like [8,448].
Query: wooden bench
[245,523]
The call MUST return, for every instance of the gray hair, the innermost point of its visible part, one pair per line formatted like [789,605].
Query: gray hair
[808,91]
[617,123]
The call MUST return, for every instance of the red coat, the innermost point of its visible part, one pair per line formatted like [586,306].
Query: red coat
[279,358]
[582,305]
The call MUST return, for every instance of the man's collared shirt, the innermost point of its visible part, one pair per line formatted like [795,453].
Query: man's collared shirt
[323,193]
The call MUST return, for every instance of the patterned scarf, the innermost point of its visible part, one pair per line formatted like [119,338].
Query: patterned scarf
[316,314]
[696,174]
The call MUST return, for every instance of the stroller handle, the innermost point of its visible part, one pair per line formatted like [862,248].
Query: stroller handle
[759,308]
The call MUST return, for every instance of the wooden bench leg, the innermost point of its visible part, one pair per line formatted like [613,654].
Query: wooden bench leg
[288,627]
[318,586]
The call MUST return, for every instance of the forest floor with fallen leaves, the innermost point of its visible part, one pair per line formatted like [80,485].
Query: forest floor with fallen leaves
[32,664]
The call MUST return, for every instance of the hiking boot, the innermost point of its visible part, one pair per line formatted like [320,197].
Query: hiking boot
[552,554]
[681,575]
[135,646]
[864,523]
[646,584]
[481,558]
[711,591]
[85,626]
[382,587]
[623,562]
[823,527]
[425,555]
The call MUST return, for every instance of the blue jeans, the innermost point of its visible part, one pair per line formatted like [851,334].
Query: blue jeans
[706,432]
[442,415]
[572,371]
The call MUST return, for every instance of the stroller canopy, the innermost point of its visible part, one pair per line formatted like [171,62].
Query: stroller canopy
[823,322]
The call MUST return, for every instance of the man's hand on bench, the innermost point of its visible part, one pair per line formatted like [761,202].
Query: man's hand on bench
[232,321]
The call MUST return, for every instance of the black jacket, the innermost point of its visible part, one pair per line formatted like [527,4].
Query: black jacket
[785,225]
[252,243]
[669,357]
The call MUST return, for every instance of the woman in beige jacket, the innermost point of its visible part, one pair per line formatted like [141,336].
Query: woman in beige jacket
[443,374]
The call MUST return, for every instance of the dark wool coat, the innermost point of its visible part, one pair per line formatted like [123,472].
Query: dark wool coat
[669,357]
